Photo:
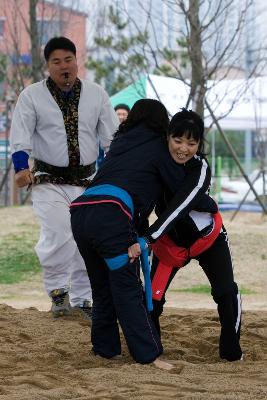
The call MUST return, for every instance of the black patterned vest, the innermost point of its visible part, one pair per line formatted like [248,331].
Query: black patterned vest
[74,173]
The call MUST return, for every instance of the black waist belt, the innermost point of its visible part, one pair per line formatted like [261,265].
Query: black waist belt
[78,172]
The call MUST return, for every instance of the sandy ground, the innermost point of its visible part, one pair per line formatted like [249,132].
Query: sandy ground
[42,358]
[46,358]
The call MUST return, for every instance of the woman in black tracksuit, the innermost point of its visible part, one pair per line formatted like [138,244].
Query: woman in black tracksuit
[106,218]
[185,140]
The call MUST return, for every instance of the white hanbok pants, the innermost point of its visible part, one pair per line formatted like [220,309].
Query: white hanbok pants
[63,266]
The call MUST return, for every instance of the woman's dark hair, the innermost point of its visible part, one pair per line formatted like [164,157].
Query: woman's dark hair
[152,113]
[58,43]
[188,123]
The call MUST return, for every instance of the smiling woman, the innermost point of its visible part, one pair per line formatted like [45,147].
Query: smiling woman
[182,148]
[198,235]
[185,136]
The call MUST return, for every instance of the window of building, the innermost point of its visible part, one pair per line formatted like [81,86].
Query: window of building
[2,27]
[2,90]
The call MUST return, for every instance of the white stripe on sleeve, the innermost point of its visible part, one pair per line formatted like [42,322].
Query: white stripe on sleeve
[185,203]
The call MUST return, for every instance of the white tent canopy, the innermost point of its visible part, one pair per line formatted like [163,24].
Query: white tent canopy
[239,104]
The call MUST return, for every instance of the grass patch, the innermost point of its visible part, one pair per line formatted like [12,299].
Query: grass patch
[194,289]
[206,290]
[247,291]
[18,260]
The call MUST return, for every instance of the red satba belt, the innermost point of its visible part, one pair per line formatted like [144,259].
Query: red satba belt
[172,256]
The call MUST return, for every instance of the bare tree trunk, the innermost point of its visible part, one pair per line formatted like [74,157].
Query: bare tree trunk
[198,90]
[35,47]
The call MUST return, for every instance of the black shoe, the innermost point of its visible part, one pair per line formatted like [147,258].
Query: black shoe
[84,309]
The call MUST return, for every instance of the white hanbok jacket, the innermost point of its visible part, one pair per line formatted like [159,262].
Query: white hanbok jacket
[38,128]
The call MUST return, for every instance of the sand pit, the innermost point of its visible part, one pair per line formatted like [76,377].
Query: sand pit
[45,358]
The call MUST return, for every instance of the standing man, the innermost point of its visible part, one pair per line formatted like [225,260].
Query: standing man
[59,122]
[122,111]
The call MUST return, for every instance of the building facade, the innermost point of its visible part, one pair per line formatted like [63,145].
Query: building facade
[53,19]
[233,33]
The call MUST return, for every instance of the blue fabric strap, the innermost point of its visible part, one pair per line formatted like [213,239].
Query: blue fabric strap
[117,262]
[146,272]
[111,190]
[20,160]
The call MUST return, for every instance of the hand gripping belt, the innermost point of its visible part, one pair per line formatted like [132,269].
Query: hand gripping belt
[172,256]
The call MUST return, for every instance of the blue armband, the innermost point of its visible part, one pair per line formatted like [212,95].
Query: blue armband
[100,158]
[20,160]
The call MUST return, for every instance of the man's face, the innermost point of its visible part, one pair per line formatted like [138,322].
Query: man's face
[122,114]
[62,68]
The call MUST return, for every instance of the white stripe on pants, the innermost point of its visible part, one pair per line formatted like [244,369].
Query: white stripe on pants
[56,249]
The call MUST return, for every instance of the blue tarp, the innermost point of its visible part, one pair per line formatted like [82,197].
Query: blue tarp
[249,207]
[130,94]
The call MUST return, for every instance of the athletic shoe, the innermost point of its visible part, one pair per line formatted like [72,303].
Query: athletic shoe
[84,310]
[60,302]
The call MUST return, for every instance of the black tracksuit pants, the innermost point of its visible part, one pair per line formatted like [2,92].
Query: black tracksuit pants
[104,231]
[216,262]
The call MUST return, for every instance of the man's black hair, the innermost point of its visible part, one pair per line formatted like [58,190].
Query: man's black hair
[58,43]
[122,106]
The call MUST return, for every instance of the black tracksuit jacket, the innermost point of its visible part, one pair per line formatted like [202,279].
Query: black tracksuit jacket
[140,163]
